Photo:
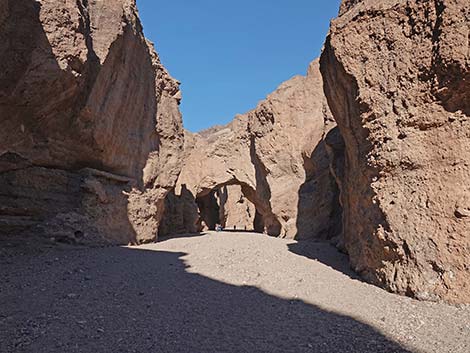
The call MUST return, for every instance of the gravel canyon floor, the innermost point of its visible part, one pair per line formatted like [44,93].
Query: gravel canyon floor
[217,292]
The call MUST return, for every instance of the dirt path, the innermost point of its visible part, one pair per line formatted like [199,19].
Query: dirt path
[225,292]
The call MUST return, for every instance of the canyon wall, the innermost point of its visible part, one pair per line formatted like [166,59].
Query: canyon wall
[397,79]
[235,211]
[92,148]
[91,137]
[278,156]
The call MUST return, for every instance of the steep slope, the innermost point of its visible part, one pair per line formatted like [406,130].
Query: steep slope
[397,81]
[91,136]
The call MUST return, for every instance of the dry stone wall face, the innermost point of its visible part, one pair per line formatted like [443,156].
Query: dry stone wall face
[91,136]
[397,81]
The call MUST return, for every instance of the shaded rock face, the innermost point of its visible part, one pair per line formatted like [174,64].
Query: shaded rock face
[91,135]
[397,81]
[181,214]
[277,155]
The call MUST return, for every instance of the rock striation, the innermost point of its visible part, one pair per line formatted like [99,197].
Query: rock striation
[278,156]
[397,79]
[91,137]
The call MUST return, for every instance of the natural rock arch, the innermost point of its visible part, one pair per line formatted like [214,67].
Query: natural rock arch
[277,154]
[266,220]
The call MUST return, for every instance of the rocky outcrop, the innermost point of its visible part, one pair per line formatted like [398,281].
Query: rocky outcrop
[277,155]
[397,81]
[91,136]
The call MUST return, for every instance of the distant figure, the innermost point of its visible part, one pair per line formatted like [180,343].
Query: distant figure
[218,228]
[234,227]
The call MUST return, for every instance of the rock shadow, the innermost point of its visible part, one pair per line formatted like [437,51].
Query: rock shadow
[209,209]
[164,238]
[325,253]
[180,215]
[319,213]
[271,224]
[319,209]
[135,300]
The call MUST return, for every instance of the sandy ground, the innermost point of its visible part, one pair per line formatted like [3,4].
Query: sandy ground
[225,292]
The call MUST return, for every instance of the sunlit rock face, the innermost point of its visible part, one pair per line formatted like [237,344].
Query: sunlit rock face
[278,156]
[397,79]
[91,136]
[236,212]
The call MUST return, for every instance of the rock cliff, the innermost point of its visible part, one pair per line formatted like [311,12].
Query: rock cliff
[91,135]
[397,79]
[277,155]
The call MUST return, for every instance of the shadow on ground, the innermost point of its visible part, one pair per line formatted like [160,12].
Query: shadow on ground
[132,300]
[180,236]
[231,230]
[325,253]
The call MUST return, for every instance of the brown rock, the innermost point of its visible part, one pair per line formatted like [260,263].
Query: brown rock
[181,214]
[397,81]
[277,155]
[235,210]
[91,133]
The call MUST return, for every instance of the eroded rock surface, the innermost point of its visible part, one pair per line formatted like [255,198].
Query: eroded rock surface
[91,135]
[235,211]
[397,81]
[278,156]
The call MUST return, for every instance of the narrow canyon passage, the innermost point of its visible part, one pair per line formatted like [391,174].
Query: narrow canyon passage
[217,292]
[339,189]
[230,208]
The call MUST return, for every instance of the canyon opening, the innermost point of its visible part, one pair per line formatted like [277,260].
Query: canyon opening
[332,217]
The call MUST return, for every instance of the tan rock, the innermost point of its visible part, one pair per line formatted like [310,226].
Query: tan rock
[277,155]
[181,214]
[235,210]
[82,90]
[397,81]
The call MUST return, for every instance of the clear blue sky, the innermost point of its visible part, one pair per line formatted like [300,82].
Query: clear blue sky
[230,54]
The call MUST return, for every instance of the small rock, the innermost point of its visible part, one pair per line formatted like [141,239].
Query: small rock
[461,212]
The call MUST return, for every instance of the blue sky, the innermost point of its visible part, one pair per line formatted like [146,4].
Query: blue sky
[229,54]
